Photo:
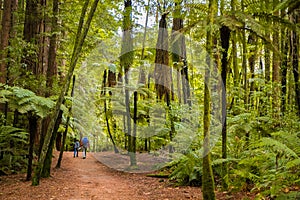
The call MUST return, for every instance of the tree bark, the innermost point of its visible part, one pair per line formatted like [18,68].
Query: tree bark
[76,53]
[5,30]
[225,37]
[58,164]
[295,59]
[276,67]
[208,186]
[32,132]
[126,60]
[162,71]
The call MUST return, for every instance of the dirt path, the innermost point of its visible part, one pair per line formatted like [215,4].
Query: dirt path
[88,179]
[85,179]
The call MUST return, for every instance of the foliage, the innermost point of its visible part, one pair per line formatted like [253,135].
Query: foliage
[25,101]
[187,169]
[13,149]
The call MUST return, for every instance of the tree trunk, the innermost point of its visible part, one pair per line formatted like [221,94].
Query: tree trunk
[126,60]
[5,30]
[142,75]
[295,59]
[276,67]
[162,72]
[176,46]
[208,187]
[251,61]
[267,51]
[48,160]
[76,53]
[225,37]
[66,128]
[284,49]
[111,82]
[133,138]
[32,132]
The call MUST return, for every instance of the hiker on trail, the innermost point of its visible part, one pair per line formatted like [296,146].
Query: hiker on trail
[76,147]
[85,144]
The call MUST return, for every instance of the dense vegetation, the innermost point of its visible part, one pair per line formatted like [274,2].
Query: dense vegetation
[214,86]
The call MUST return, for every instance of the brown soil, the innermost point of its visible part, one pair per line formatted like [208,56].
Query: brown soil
[87,179]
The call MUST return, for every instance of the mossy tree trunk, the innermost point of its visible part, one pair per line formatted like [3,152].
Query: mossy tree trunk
[295,58]
[276,66]
[66,129]
[111,82]
[81,35]
[225,38]
[126,60]
[51,71]
[208,186]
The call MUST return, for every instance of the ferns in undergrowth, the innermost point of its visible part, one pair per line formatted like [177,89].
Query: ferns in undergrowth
[267,162]
[14,141]
[13,149]
[187,169]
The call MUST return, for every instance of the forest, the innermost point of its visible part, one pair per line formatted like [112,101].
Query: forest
[210,87]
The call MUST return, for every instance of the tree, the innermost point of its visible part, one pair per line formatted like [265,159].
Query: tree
[295,58]
[126,60]
[207,177]
[81,35]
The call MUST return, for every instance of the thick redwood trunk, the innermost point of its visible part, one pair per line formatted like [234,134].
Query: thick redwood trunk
[162,71]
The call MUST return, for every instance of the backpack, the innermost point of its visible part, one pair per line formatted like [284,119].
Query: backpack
[85,141]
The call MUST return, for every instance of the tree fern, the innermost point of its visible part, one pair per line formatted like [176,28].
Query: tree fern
[25,101]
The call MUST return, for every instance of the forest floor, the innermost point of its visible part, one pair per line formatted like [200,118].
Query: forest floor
[89,179]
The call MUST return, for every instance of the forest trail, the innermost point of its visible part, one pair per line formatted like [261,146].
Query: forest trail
[88,179]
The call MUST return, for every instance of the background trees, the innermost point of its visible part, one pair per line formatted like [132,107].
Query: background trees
[154,90]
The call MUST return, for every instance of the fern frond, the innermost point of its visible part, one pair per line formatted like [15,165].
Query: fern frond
[276,146]
[21,92]
[222,160]
[291,4]
[293,163]
[199,6]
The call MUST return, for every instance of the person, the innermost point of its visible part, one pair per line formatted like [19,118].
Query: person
[76,147]
[85,144]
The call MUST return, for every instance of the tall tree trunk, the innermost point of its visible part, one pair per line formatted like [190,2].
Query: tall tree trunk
[244,63]
[208,186]
[251,61]
[142,75]
[295,58]
[30,34]
[50,75]
[162,71]
[82,30]
[126,60]
[111,82]
[33,131]
[244,67]
[267,51]
[66,127]
[48,160]
[133,138]
[225,37]
[7,32]
[276,67]
[176,46]
[285,50]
